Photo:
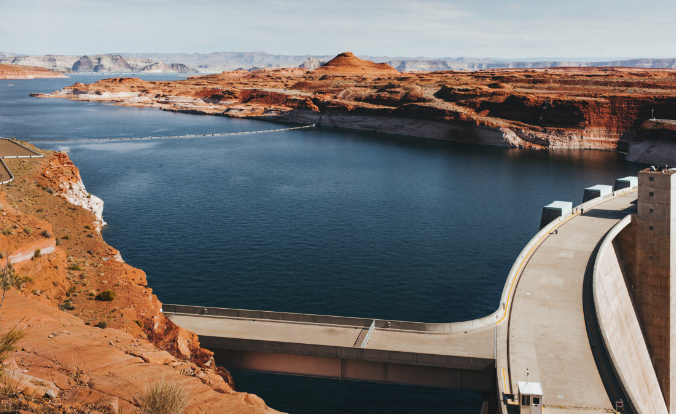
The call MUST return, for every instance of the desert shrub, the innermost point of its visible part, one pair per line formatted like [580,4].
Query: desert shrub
[11,279]
[66,305]
[88,227]
[106,295]
[140,325]
[8,342]
[102,325]
[76,267]
[37,253]
[28,230]
[66,237]
[8,231]
[46,234]
[164,397]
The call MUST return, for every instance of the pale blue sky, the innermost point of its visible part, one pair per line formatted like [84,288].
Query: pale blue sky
[433,28]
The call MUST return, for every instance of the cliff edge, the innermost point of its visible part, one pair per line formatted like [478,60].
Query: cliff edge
[583,108]
[83,348]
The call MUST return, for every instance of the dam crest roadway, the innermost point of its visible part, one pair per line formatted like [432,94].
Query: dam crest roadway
[544,331]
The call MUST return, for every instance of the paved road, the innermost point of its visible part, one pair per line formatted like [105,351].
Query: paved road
[475,344]
[547,329]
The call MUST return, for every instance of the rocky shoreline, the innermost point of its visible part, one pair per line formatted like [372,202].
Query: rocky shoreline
[27,72]
[80,350]
[585,108]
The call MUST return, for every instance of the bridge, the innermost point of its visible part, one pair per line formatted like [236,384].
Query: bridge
[545,325]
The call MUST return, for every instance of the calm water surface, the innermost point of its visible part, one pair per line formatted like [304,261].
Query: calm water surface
[320,221]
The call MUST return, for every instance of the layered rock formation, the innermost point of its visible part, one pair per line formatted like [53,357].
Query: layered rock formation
[161,67]
[348,63]
[592,108]
[26,72]
[61,263]
[97,63]
[312,63]
[655,142]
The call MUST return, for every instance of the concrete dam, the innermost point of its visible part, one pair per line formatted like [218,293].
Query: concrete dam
[584,322]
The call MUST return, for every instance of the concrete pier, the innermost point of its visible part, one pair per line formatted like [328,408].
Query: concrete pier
[625,182]
[596,191]
[555,210]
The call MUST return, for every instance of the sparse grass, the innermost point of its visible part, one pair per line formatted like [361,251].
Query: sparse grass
[75,267]
[164,397]
[66,305]
[7,231]
[8,342]
[10,384]
[106,296]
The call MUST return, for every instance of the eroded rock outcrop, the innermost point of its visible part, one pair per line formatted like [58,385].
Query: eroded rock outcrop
[26,72]
[60,265]
[587,108]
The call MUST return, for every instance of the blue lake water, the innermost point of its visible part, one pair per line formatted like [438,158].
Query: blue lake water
[320,220]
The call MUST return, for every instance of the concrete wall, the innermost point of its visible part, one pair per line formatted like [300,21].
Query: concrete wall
[620,327]
[356,370]
[654,288]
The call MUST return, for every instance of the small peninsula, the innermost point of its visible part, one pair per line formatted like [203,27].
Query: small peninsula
[585,108]
[26,72]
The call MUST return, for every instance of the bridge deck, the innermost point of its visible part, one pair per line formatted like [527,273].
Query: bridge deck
[547,328]
[474,344]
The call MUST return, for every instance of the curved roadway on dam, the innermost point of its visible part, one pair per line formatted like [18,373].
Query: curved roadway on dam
[544,325]
[547,330]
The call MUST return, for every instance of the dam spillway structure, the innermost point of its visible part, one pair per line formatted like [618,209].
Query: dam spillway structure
[625,182]
[555,210]
[599,190]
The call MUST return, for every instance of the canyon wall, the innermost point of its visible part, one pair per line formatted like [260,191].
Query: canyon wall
[84,350]
[585,108]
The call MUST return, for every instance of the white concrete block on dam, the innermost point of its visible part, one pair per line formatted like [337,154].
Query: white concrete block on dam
[596,191]
[555,210]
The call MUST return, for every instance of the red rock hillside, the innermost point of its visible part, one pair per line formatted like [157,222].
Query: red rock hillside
[26,72]
[587,108]
[348,63]
[81,350]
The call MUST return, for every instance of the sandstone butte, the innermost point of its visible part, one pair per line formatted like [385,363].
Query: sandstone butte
[66,364]
[587,108]
[26,72]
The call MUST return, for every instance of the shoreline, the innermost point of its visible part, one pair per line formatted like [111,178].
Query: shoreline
[67,265]
[532,109]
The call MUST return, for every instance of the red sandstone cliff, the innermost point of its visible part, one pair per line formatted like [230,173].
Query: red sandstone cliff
[26,72]
[61,263]
[591,108]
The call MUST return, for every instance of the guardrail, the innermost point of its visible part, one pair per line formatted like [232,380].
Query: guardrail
[176,136]
[11,176]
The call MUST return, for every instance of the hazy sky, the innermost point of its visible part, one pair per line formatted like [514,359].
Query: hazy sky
[434,28]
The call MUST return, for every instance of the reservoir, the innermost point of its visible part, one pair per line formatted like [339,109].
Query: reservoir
[322,220]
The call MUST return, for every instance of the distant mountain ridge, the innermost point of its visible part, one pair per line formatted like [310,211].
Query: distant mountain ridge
[217,62]
[96,63]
